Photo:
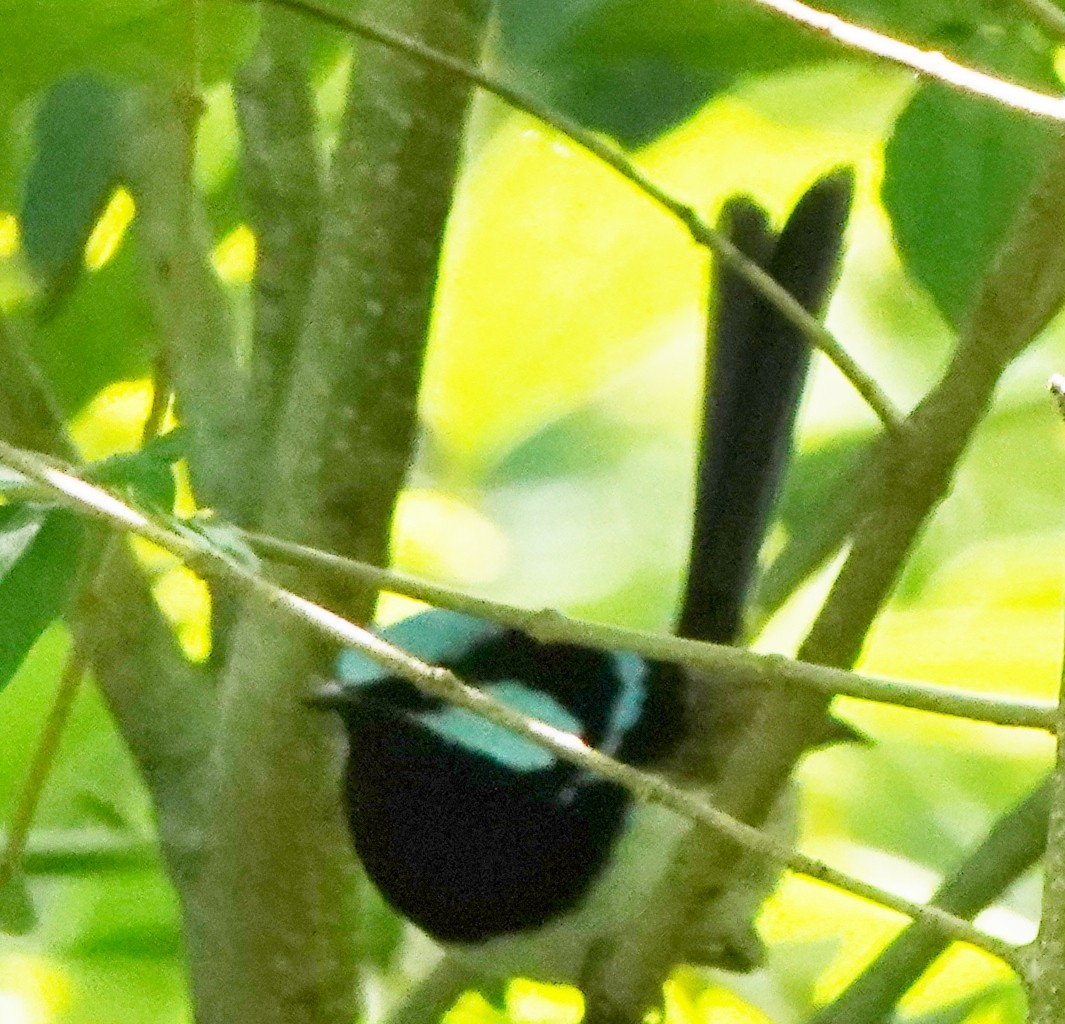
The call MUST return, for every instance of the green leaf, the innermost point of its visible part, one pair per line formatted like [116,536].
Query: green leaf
[634,68]
[103,333]
[148,474]
[956,170]
[146,40]
[17,914]
[38,558]
[74,168]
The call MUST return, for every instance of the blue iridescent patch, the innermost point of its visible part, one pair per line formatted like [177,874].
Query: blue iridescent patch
[483,737]
[448,638]
[631,672]
[437,637]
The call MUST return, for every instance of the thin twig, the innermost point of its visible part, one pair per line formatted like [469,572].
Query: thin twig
[741,666]
[435,994]
[41,764]
[928,63]
[816,333]
[1048,15]
[68,851]
[1013,844]
[1046,975]
[442,683]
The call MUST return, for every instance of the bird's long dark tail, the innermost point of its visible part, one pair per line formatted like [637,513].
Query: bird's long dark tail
[758,363]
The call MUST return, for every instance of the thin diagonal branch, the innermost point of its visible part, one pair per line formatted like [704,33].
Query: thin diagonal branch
[702,232]
[41,764]
[1046,981]
[928,63]
[1014,843]
[736,666]
[444,684]
[1047,15]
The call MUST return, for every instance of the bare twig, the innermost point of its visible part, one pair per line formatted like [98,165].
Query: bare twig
[702,232]
[929,64]
[40,766]
[740,667]
[1014,844]
[439,682]
[1047,15]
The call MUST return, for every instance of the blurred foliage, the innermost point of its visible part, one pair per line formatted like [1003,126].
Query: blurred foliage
[75,152]
[559,406]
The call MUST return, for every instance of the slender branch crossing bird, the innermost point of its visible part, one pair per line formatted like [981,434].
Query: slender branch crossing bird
[515,861]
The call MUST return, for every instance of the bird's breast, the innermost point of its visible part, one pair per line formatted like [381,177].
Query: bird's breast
[469,849]
[479,836]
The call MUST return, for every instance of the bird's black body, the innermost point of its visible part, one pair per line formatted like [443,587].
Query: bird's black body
[475,834]
[494,813]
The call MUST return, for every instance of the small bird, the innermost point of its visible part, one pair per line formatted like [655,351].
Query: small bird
[514,860]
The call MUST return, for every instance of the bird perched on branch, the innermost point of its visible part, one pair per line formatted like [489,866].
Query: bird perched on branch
[513,859]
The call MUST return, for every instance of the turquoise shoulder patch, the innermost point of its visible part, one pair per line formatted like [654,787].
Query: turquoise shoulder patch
[483,737]
[438,637]
[631,671]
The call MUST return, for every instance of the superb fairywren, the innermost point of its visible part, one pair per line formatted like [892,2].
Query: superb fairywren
[513,859]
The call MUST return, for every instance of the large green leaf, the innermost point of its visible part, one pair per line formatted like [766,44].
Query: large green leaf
[168,41]
[39,554]
[73,171]
[636,67]
[103,333]
[633,67]
[956,170]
